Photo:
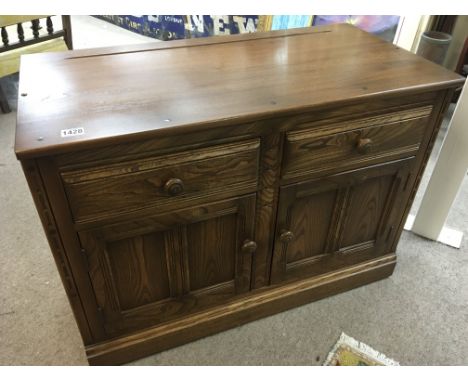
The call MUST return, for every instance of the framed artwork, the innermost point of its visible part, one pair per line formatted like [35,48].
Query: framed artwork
[174,27]
[384,26]
[290,21]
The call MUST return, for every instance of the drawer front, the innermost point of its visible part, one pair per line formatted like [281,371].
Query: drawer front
[170,181]
[353,144]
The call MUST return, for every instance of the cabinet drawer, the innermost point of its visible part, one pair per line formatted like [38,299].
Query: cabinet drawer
[353,144]
[170,181]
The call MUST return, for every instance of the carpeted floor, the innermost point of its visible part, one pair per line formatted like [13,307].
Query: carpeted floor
[418,316]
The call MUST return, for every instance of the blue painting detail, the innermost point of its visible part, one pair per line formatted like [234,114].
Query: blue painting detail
[290,21]
[173,27]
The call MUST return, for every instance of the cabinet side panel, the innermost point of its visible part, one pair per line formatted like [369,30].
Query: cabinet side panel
[41,201]
[71,244]
[440,108]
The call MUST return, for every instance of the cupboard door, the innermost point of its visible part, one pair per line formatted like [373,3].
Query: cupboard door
[338,220]
[148,271]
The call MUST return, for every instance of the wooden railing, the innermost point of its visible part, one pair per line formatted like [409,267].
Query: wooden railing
[6,21]
[12,47]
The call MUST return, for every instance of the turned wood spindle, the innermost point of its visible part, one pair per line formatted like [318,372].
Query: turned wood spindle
[50,25]
[20,31]
[35,26]
[4,36]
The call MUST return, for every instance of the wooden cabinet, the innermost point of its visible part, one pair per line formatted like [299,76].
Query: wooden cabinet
[337,220]
[147,271]
[252,174]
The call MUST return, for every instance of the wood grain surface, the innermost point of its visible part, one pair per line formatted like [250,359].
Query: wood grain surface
[221,180]
[152,270]
[337,220]
[142,92]
[226,169]
[257,305]
[312,151]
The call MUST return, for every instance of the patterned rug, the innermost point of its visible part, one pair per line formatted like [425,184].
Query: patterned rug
[350,352]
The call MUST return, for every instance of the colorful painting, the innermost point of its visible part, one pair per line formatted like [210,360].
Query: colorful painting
[382,26]
[173,27]
[290,21]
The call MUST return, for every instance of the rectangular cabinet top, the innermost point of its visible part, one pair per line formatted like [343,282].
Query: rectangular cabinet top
[94,97]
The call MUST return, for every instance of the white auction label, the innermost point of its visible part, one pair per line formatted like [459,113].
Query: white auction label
[72,132]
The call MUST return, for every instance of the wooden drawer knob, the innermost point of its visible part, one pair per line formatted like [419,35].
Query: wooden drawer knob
[286,236]
[174,186]
[249,246]
[364,145]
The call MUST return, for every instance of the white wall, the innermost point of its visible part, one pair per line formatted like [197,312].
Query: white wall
[410,31]
[459,34]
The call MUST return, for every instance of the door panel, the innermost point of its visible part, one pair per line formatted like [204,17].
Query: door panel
[310,220]
[160,267]
[209,260]
[135,264]
[338,220]
[365,209]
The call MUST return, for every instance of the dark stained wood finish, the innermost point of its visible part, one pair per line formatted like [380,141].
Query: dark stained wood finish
[277,168]
[226,131]
[198,176]
[136,263]
[67,28]
[358,143]
[20,30]
[441,105]
[153,270]
[337,220]
[36,25]
[269,75]
[266,207]
[64,267]
[257,305]
[72,248]
[5,39]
